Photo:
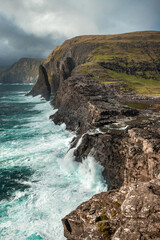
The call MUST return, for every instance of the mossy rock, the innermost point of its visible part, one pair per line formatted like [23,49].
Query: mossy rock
[105,229]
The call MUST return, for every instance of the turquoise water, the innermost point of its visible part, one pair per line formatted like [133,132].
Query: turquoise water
[39,181]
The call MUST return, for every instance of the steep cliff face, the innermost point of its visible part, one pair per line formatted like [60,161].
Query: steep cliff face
[42,86]
[108,91]
[23,71]
[128,155]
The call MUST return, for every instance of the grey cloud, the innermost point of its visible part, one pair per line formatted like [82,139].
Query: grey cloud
[34,27]
[125,16]
[21,44]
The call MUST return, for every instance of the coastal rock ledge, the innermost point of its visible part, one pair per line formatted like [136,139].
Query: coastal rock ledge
[107,89]
[131,213]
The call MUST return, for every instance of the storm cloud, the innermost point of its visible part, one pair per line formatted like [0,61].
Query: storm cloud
[33,28]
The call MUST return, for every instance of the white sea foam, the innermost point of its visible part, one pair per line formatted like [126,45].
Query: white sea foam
[17,84]
[58,183]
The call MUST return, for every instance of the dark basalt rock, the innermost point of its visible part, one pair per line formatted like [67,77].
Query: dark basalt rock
[42,86]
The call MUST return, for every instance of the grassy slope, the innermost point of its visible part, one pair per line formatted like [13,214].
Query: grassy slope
[139,50]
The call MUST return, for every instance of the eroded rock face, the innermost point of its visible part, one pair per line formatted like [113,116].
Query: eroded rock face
[42,86]
[128,155]
[133,212]
[83,103]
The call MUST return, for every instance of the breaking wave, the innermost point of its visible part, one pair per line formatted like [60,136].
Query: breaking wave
[40,181]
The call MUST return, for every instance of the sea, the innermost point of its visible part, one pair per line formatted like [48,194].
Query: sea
[40,182]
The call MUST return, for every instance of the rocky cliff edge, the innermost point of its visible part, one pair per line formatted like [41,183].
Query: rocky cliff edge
[107,89]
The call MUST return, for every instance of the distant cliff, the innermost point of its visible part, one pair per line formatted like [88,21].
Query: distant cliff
[23,71]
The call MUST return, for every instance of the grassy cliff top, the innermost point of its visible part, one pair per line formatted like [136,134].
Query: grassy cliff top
[131,58]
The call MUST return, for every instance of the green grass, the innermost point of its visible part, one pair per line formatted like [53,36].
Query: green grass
[142,85]
[136,105]
[106,76]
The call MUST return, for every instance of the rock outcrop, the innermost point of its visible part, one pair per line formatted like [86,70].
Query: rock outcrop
[23,71]
[133,212]
[107,90]
[42,86]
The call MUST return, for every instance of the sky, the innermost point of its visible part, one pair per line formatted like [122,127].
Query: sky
[33,28]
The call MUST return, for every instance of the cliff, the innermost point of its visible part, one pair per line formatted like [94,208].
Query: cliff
[23,71]
[42,85]
[107,89]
